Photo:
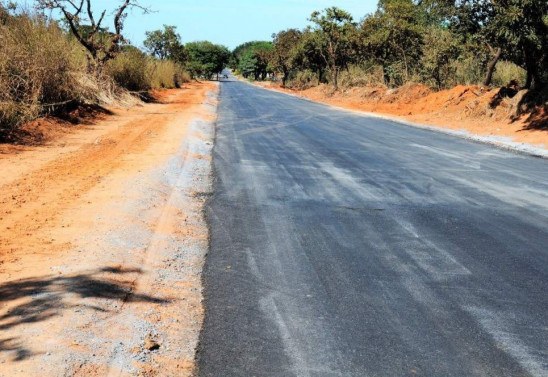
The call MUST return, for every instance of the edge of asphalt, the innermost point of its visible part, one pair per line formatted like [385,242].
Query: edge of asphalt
[503,143]
[213,181]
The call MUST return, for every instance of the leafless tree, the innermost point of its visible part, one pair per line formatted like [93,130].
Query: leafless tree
[101,45]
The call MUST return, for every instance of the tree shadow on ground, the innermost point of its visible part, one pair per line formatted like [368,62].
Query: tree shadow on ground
[531,102]
[39,299]
[80,113]
[66,115]
[537,120]
[12,345]
[536,104]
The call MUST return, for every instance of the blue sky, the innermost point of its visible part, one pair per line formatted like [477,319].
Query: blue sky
[230,22]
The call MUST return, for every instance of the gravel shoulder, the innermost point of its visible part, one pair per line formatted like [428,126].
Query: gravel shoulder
[102,242]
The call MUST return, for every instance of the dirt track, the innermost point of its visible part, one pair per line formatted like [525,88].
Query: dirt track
[102,243]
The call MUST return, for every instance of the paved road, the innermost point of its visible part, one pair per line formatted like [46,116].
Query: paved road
[348,246]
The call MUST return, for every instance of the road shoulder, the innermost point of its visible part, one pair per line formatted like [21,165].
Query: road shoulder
[103,245]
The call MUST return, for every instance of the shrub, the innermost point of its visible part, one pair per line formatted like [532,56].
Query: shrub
[166,74]
[129,70]
[39,65]
[365,75]
[302,80]
[439,53]
[470,67]
[506,71]
[42,67]
[137,72]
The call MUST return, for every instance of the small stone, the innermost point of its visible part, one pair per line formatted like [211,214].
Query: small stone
[151,344]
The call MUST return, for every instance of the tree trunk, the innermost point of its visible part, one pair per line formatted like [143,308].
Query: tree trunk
[533,81]
[492,64]
[386,75]
[405,65]
[335,76]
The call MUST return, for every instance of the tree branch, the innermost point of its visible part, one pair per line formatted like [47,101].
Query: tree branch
[90,14]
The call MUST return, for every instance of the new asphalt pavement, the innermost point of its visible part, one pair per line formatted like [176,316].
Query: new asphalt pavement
[344,245]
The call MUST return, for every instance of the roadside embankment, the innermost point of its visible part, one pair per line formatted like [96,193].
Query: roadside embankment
[102,242]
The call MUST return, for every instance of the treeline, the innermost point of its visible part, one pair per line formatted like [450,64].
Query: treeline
[48,64]
[202,59]
[441,43]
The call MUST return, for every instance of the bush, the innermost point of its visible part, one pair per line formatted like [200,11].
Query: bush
[505,72]
[365,75]
[137,72]
[129,70]
[302,80]
[42,67]
[439,53]
[166,74]
[39,66]
[470,67]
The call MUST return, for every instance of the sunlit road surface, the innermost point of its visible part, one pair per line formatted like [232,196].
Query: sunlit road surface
[344,245]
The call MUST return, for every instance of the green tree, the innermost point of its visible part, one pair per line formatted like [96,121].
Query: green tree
[520,29]
[285,51]
[165,44]
[247,64]
[440,52]
[253,59]
[515,30]
[206,59]
[336,31]
[309,54]
[393,37]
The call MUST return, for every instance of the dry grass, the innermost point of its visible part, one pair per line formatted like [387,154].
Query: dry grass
[39,65]
[302,80]
[42,68]
[166,74]
[361,76]
[506,72]
[137,72]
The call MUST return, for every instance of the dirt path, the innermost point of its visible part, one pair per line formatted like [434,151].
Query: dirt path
[102,242]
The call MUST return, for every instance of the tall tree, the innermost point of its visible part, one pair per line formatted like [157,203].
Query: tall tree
[393,38]
[253,59]
[285,50]
[206,59]
[309,54]
[335,29]
[520,28]
[515,30]
[88,29]
[165,44]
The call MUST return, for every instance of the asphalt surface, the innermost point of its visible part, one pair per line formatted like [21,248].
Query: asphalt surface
[343,245]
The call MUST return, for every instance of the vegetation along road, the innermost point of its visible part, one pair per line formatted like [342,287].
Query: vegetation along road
[343,245]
